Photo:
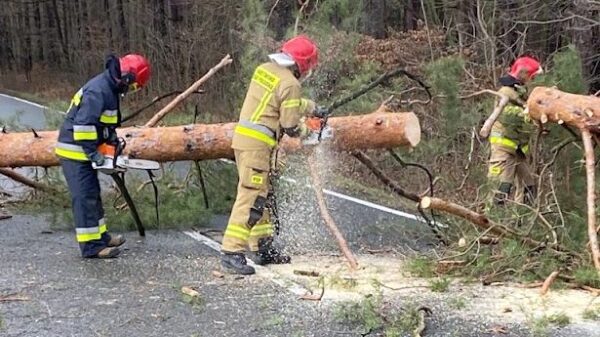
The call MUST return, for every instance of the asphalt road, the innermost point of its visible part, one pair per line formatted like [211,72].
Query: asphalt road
[139,294]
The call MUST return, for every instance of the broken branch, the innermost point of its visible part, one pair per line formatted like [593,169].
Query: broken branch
[591,196]
[487,126]
[23,180]
[194,87]
[548,282]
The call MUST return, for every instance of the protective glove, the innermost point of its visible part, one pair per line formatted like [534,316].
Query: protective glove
[97,158]
[321,112]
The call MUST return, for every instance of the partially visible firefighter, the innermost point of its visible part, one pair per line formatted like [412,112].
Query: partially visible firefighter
[273,106]
[510,135]
[91,121]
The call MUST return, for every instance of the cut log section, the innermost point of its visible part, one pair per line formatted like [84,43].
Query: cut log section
[213,141]
[552,105]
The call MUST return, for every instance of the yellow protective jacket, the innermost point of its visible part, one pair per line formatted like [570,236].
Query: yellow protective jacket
[273,105]
[513,128]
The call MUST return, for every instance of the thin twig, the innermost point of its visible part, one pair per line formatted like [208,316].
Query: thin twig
[271,13]
[300,12]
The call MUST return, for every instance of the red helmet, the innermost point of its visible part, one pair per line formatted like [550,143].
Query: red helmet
[304,52]
[138,67]
[531,66]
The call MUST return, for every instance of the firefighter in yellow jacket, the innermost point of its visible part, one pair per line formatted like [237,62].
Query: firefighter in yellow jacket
[273,106]
[511,133]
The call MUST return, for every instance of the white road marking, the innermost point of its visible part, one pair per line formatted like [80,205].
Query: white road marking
[358,201]
[43,107]
[261,271]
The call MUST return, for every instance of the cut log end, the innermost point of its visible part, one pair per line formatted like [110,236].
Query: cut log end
[412,130]
[425,203]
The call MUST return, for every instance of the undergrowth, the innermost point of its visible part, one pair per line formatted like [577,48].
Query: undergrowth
[181,202]
[372,315]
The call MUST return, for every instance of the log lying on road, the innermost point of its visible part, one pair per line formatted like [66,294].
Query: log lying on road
[552,105]
[212,141]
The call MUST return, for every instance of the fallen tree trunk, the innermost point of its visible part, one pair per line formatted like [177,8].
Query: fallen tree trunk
[552,105]
[212,141]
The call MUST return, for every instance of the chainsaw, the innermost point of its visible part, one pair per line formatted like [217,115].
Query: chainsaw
[319,130]
[116,164]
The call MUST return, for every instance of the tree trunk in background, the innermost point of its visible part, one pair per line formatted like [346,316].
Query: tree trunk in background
[412,10]
[160,17]
[582,37]
[282,16]
[123,31]
[373,19]
[212,141]
[463,26]
[63,54]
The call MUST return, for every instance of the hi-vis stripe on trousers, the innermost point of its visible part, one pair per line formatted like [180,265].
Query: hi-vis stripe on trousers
[253,170]
[90,229]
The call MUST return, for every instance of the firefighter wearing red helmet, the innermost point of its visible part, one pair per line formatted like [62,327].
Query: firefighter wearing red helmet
[510,136]
[91,121]
[273,106]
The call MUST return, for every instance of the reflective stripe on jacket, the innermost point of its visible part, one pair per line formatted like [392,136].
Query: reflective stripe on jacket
[273,102]
[91,119]
[513,128]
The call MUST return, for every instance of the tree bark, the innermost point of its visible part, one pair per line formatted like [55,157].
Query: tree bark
[550,104]
[212,141]
[591,196]
[374,18]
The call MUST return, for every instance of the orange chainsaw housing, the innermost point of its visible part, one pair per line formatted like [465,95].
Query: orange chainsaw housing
[107,149]
[313,123]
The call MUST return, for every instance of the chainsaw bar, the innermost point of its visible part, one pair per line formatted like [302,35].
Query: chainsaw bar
[137,164]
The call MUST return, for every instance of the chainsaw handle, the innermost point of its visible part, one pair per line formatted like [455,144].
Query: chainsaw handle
[119,147]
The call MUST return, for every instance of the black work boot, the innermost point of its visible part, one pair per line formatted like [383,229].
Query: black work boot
[267,254]
[235,263]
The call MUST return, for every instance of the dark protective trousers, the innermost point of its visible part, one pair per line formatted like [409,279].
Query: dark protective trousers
[90,229]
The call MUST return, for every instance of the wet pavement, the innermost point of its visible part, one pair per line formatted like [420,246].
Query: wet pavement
[139,293]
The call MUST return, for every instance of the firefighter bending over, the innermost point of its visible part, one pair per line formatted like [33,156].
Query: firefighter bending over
[273,106]
[91,121]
